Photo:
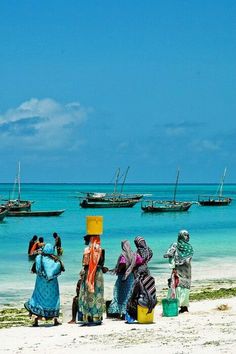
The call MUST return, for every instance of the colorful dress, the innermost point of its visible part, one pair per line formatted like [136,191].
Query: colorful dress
[91,295]
[45,301]
[126,263]
[144,289]
[180,256]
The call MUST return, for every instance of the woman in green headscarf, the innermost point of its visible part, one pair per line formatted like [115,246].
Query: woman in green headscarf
[180,256]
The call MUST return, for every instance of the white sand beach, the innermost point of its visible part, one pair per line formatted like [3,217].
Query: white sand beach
[207,328]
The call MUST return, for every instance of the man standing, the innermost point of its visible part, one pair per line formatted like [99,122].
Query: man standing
[57,244]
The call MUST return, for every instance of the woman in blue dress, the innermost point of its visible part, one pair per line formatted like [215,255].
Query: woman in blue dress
[126,263]
[45,301]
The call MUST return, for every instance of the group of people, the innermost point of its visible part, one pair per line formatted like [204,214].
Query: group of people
[36,245]
[134,286]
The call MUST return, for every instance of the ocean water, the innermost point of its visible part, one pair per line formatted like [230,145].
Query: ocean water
[212,234]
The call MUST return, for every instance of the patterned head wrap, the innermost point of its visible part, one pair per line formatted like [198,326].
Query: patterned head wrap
[184,249]
[130,257]
[143,250]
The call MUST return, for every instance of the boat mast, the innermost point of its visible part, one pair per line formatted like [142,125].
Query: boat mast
[176,184]
[222,183]
[124,179]
[18,180]
[116,181]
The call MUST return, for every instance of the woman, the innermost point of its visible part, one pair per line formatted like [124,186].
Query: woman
[125,278]
[180,256]
[142,249]
[91,296]
[144,290]
[45,301]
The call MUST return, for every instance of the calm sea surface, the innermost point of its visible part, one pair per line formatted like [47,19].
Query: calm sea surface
[212,231]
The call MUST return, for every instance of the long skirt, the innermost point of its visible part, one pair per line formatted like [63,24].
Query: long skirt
[92,304]
[45,301]
[121,293]
[182,294]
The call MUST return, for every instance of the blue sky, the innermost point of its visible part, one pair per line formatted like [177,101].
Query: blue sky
[87,86]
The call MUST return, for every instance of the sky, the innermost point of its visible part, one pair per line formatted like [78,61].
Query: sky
[90,86]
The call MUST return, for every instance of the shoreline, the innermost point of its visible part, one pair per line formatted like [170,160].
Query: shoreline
[208,290]
[209,327]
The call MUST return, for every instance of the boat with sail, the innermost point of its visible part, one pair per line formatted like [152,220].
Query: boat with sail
[218,199]
[18,204]
[115,199]
[160,206]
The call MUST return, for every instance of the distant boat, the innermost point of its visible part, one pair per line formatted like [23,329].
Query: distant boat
[165,206]
[215,200]
[114,199]
[160,206]
[35,213]
[18,204]
[103,197]
[112,203]
[3,212]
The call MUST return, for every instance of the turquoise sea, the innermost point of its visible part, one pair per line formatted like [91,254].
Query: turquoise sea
[212,231]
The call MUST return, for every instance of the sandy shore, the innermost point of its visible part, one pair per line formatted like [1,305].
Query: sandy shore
[207,328]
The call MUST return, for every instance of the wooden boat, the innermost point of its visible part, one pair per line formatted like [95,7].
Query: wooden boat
[112,203]
[35,213]
[114,196]
[165,206]
[160,206]
[215,200]
[106,197]
[18,204]
[3,212]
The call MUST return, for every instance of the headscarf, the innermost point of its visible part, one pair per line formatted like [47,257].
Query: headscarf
[94,250]
[185,250]
[129,256]
[48,265]
[143,250]
[182,251]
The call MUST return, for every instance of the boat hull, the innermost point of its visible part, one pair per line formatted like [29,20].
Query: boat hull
[110,204]
[211,201]
[170,208]
[3,214]
[214,202]
[46,213]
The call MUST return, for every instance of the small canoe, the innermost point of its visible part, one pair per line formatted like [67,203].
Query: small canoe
[35,213]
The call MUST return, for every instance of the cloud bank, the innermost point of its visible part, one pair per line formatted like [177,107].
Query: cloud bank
[42,124]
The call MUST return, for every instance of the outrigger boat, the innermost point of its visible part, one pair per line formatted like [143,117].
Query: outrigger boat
[160,206]
[215,200]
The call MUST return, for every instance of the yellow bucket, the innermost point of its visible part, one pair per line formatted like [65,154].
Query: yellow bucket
[143,316]
[94,225]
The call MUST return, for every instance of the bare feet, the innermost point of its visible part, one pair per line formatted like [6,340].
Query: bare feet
[36,323]
[71,322]
[56,322]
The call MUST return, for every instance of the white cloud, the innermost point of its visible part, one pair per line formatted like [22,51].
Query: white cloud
[42,124]
[206,145]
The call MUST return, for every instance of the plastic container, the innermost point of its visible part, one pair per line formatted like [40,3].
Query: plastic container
[170,307]
[94,225]
[143,316]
